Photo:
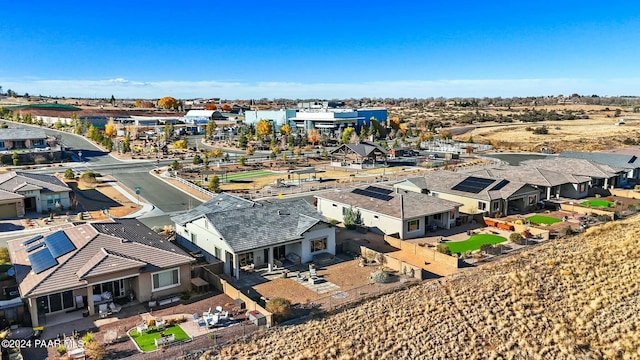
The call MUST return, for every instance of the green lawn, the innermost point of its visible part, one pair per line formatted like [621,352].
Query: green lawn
[146,341]
[597,203]
[474,242]
[541,219]
[248,174]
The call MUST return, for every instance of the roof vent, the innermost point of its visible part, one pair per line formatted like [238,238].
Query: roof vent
[282,212]
[123,240]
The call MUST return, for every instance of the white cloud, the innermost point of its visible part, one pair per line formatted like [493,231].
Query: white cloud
[125,88]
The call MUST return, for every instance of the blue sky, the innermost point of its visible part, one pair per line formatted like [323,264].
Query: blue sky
[328,49]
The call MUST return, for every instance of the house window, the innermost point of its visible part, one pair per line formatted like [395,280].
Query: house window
[19,144]
[583,187]
[38,142]
[318,244]
[532,200]
[413,225]
[116,288]
[216,253]
[165,279]
[482,205]
[2,145]
[495,205]
[245,259]
[53,199]
[452,214]
[56,302]
[194,238]
[437,216]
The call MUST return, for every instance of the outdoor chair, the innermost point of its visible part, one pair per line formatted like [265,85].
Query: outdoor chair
[114,308]
[142,328]
[207,313]
[160,325]
[312,271]
[103,310]
[218,309]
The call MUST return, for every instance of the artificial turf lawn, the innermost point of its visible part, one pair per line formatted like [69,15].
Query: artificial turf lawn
[474,242]
[248,174]
[146,341]
[540,219]
[597,203]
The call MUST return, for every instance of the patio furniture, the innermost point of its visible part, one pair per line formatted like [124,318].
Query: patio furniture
[165,340]
[114,308]
[212,320]
[79,302]
[160,324]
[200,321]
[207,313]
[312,270]
[103,310]
[142,328]
[224,316]
[218,309]
[315,280]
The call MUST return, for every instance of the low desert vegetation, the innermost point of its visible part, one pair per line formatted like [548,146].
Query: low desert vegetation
[573,298]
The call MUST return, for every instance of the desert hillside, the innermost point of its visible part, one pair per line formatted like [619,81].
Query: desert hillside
[575,298]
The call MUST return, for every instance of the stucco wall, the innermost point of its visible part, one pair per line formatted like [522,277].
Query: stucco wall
[144,290]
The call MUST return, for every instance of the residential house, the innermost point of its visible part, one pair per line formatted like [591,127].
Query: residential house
[22,192]
[629,161]
[602,175]
[551,184]
[94,263]
[494,196]
[12,139]
[358,156]
[243,233]
[390,211]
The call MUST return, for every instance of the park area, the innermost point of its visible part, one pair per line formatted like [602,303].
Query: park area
[543,220]
[475,242]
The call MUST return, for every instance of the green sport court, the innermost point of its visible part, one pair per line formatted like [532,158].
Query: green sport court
[543,220]
[597,203]
[474,242]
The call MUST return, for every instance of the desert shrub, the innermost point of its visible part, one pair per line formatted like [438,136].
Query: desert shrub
[279,307]
[180,144]
[542,130]
[88,337]
[380,277]
[151,323]
[90,177]
[61,350]
[4,256]
[517,239]
[95,350]
[486,248]
[68,174]
[568,231]
[444,249]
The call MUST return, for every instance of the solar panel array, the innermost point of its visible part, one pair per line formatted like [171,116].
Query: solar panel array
[32,240]
[632,160]
[59,244]
[36,246]
[500,185]
[374,192]
[42,261]
[473,184]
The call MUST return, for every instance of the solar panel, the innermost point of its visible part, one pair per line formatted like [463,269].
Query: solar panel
[36,246]
[632,160]
[473,184]
[372,194]
[42,261]
[500,185]
[32,240]
[378,190]
[59,244]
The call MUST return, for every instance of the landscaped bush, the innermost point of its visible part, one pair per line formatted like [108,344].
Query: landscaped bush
[279,307]
[90,177]
[381,277]
[516,238]
[443,248]
[69,174]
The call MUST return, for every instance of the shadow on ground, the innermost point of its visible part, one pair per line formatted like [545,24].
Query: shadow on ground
[92,199]
[10,227]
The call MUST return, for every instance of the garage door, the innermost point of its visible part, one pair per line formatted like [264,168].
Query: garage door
[7,211]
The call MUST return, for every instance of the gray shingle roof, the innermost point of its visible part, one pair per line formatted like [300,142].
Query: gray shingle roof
[96,253]
[362,149]
[21,181]
[402,205]
[22,134]
[618,160]
[221,202]
[270,224]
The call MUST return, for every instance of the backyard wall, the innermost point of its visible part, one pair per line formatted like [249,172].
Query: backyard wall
[585,210]
[389,261]
[430,254]
[232,292]
[632,194]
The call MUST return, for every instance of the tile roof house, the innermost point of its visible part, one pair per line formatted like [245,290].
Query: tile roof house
[96,262]
[22,192]
[552,184]
[628,161]
[241,232]
[22,138]
[602,175]
[477,194]
[390,211]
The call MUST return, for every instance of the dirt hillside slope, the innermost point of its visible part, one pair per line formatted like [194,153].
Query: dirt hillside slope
[575,298]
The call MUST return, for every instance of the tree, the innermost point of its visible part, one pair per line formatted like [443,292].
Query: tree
[214,184]
[210,129]
[346,134]
[216,153]
[110,128]
[263,128]
[205,162]
[211,106]
[68,174]
[242,160]
[175,165]
[15,158]
[279,307]
[285,129]
[168,102]
[180,144]
[197,160]
[242,141]
[126,144]
[168,131]
[226,108]
[352,218]
[313,136]
[113,100]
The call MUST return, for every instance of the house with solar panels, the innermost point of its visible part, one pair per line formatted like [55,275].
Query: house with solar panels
[392,211]
[22,192]
[478,195]
[85,266]
[246,234]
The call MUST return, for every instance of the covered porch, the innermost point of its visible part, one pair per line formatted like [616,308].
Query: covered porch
[262,258]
